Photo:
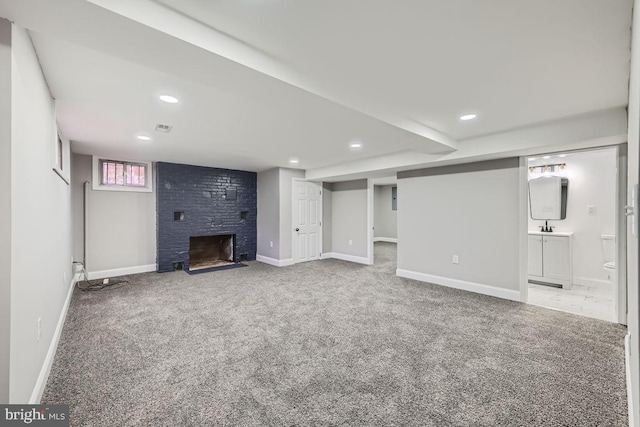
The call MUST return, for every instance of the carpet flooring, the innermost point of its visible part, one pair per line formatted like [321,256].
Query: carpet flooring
[330,343]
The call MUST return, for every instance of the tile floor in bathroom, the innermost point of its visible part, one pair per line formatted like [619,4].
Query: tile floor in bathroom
[590,301]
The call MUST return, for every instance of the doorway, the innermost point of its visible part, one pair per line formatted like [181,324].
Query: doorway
[385,222]
[574,239]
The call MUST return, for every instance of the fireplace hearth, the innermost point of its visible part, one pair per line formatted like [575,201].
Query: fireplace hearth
[211,251]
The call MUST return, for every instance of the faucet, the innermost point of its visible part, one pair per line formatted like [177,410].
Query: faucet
[546,228]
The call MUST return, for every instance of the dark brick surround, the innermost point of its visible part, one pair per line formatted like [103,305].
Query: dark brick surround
[197,201]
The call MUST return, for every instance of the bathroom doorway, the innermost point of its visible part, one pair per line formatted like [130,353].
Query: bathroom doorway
[576,239]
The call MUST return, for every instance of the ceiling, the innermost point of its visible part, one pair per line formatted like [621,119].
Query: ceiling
[512,62]
[261,82]
[104,103]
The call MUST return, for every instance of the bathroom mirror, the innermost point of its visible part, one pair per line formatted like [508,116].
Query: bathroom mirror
[548,197]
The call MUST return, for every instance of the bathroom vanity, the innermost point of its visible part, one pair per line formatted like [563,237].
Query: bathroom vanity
[550,258]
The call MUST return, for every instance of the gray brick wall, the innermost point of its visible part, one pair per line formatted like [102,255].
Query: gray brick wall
[201,193]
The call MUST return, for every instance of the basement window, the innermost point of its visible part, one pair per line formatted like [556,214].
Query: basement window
[121,175]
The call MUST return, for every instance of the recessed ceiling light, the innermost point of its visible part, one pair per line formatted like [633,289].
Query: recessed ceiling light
[169,99]
[562,155]
[531,159]
[468,117]
[143,138]
[355,145]
[546,157]
[294,161]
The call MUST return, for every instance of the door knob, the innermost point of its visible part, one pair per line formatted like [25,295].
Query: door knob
[297,229]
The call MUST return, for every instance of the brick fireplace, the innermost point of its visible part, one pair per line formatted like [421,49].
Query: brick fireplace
[206,216]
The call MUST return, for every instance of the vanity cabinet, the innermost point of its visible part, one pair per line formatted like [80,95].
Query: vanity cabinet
[550,258]
[535,256]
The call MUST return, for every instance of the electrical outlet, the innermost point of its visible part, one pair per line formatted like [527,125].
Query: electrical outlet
[39,329]
[105,281]
[455,259]
[270,243]
[592,210]
[350,242]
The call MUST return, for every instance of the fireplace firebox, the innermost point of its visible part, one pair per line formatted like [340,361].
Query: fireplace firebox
[211,251]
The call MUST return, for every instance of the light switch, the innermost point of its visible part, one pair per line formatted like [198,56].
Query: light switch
[592,210]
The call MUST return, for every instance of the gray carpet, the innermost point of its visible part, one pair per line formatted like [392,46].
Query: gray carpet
[330,343]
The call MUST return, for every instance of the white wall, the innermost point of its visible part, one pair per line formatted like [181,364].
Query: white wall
[633,323]
[469,210]
[121,226]
[286,211]
[275,214]
[385,219]
[269,213]
[40,221]
[349,218]
[5,202]
[592,182]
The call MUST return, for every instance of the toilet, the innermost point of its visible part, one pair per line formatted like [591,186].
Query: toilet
[609,252]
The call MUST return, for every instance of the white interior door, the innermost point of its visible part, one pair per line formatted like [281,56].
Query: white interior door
[307,221]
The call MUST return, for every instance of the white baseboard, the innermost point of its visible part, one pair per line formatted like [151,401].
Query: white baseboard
[385,239]
[630,398]
[41,382]
[461,284]
[345,257]
[274,262]
[93,275]
[589,281]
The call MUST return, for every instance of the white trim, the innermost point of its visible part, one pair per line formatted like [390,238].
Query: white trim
[523,228]
[590,281]
[385,239]
[93,275]
[479,288]
[630,397]
[96,183]
[274,262]
[621,304]
[345,257]
[370,209]
[294,219]
[43,377]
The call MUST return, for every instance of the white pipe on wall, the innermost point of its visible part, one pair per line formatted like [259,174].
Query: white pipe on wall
[85,220]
